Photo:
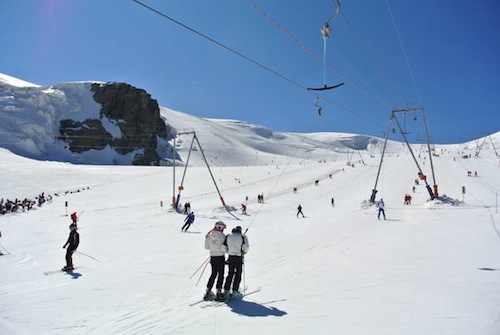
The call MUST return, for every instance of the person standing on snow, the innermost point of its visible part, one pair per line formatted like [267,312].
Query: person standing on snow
[381,206]
[243,209]
[188,220]
[237,246]
[299,211]
[214,242]
[72,243]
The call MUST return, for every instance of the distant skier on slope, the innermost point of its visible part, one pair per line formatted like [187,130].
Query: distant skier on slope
[243,209]
[237,246]
[299,211]
[380,206]
[72,243]
[187,222]
[214,241]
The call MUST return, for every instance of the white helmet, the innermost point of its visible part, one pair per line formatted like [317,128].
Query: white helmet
[219,225]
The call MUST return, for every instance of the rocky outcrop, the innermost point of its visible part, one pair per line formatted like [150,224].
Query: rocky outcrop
[130,110]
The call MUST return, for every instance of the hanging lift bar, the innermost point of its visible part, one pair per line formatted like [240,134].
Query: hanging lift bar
[325,32]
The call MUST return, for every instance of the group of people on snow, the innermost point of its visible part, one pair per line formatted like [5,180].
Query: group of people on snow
[187,208]
[407,199]
[235,245]
[17,205]
[469,173]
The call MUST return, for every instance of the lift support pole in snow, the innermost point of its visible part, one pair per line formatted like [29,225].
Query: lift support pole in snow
[432,192]
[176,200]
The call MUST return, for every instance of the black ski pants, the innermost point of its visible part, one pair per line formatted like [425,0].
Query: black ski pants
[218,263]
[186,226]
[234,276]
[69,257]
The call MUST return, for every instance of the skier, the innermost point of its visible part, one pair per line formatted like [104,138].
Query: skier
[243,209]
[72,243]
[237,246]
[188,220]
[299,211]
[214,241]
[380,206]
[333,202]
[74,218]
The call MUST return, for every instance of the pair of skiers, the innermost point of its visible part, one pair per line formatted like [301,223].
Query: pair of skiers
[236,246]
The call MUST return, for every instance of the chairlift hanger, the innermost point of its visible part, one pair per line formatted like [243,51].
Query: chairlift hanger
[320,110]
[325,32]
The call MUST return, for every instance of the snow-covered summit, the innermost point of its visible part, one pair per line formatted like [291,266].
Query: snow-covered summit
[9,80]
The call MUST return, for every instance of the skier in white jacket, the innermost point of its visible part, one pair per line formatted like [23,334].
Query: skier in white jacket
[237,246]
[214,242]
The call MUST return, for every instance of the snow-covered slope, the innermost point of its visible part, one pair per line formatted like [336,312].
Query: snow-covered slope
[430,268]
[232,142]
[12,81]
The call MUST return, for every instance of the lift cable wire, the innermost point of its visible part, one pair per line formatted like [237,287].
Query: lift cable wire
[246,57]
[403,50]
[372,57]
[315,55]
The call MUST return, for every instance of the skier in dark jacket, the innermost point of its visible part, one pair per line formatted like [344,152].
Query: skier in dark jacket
[299,211]
[72,243]
[188,220]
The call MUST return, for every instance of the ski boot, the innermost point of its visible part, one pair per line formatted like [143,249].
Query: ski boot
[236,295]
[220,296]
[209,295]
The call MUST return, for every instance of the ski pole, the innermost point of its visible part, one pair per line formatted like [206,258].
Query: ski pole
[2,247]
[204,263]
[244,277]
[81,253]
[201,275]
[197,227]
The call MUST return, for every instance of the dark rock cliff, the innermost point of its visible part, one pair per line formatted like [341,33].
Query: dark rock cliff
[132,111]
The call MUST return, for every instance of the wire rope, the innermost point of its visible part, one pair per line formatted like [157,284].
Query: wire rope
[403,50]
[307,49]
[247,58]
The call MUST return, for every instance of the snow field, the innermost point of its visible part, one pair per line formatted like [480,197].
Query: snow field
[339,270]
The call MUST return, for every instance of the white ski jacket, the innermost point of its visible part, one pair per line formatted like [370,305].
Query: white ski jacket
[214,241]
[237,244]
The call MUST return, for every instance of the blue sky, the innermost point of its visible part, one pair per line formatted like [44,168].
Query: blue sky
[452,47]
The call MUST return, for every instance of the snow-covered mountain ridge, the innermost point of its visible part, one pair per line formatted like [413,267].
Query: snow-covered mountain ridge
[64,122]
[82,122]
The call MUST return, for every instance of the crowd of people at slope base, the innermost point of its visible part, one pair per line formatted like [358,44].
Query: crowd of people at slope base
[14,206]
[17,205]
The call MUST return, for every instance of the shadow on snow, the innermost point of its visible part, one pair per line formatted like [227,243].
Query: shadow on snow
[73,274]
[253,309]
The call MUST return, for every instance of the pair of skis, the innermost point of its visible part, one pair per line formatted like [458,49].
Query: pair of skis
[218,303]
[48,273]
